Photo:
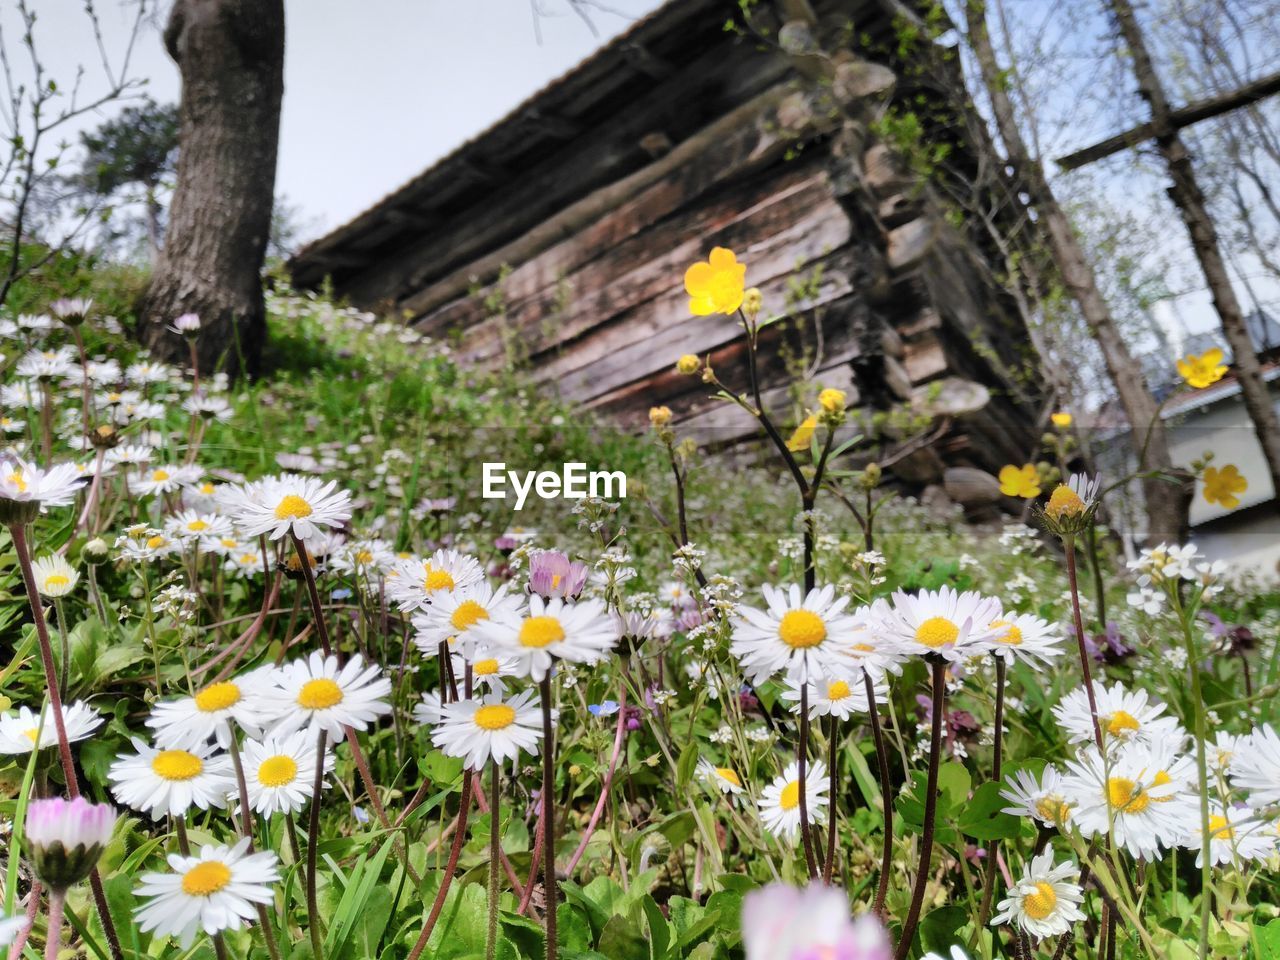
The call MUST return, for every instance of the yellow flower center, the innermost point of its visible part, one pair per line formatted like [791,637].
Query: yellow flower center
[1159,780]
[801,629]
[790,797]
[540,632]
[937,632]
[248,559]
[864,648]
[292,507]
[1125,796]
[1040,904]
[17,480]
[217,696]
[319,694]
[364,557]
[229,542]
[206,488]
[838,690]
[156,542]
[32,734]
[205,879]
[495,716]
[437,580]
[469,612]
[1011,634]
[485,668]
[176,765]
[725,773]
[1121,722]
[160,476]
[1064,502]
[277,771]
[55,580]
[1054,809]
[195,526]
[1220,828]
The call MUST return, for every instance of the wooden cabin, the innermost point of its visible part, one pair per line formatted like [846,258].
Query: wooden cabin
[556,241]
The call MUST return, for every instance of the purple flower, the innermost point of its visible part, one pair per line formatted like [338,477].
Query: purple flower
[505,543]
[552,574]
[634,714]
[782,923]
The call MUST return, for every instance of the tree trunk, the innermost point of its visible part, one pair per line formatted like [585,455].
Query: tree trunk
[1190,200]
[231,55]
[1168,499]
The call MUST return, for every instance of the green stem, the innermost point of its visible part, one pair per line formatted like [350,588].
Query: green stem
[1202,775]
[313,853]
[495,851]
[550,885]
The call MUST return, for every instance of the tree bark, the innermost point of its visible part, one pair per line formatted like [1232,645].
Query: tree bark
[1190,200]
[1168,498]
[231,56]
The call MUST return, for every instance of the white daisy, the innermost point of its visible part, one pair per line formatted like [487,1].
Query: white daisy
[1125,716]
[1046,901]
[150,545]
[798,634]
[780,801]
[413,583]
[10,927]
[18,731]
[24,482]
[1042,800]
[488,669]
[54,576]
[288,503]
[162,782]
[129,454]
[318,695]
[724,779]
[211,712]
[942,622]
[833,695]
[489,729]
[868,646]
[245,562]
[280,772]
[162,479]
[1256,768]
[371,557]
[46,364]
[1025,637]
[452,614]
[148,371]
[1122,795]
[577,632]
[193,525]
[429,710]
[217,889]
[1235,834]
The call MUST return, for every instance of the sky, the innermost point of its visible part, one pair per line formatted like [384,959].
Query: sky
[375,90]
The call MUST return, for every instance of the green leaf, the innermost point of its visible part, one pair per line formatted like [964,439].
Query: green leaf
[938,928]
[982,819]
[621,940]
[686,765]
[659,928]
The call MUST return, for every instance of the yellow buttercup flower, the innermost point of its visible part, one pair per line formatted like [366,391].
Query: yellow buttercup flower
[1204,370]
[1222,486]
[804,434]
[688,364]
[832,400]
[716,285]
[1061,419]
[1021,481]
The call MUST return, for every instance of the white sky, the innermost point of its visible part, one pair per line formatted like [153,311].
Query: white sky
[375,90]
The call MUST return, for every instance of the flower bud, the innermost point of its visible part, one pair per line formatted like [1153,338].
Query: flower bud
[688,364]
[97,551]
[752,302]
[832,400]
[66,838]
[659,416]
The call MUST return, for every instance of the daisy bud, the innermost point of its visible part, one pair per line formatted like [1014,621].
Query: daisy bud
[67,837]
[104,437]
[54,576]
[659,416]
[71,311]
[188,325]
[688,364]
[96,551]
